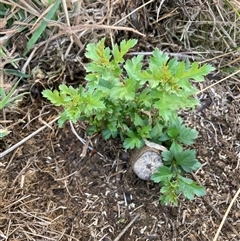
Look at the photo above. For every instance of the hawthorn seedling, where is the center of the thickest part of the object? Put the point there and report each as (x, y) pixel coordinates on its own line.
(124, 99)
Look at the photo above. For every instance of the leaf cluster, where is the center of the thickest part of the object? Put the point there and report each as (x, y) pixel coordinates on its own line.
(125, 98)
(177, 162)
(121, 98)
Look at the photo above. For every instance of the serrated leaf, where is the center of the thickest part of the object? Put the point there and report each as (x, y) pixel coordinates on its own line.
(107, 133)
(91, 51)
(173, 132)
(167, 156)
(93, 102)
(163, 175)
(54, 96)
(64, 89)
(133, 67)
(187, 135)
(189, 188)
(63, 118)
(125, 46)
(132, 141)
(158, 58)
(164, 137)
(124, 91)
(138, 121)
(156, 131)
(176, 148)
(98, 53)
(144, 98)
(186, 159)
(169, 199)
(197, 73)
(167, 104)
(144, 131)
(169, 195)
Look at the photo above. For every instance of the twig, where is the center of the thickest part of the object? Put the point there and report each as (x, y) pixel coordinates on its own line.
(126, 228)
(26, 139)
(225, 215)
(82, 140)
(215, 210)
(218, 82)
(135, 10)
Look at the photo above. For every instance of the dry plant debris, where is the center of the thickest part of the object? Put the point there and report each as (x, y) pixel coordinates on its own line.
(52, 187)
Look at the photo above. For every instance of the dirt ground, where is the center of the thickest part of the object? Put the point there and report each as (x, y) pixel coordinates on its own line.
(53, 187)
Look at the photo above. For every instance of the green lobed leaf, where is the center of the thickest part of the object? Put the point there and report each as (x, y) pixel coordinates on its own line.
(94, 102)
(132, 141)
(176, 148)
(186, 159)
(195, 72)
(167, 157)
(144, 131)
(107, 133)
(169, 195)
(189, 188)
(124, 91)
(144, 98)
(125, 46)
(187, 135)
(64, 89)
(158, 59)
(156, 131)
(168, 104)
(163, 174)
(55, 97)
(170, 198)
(173, 132)
(63, 118)
(179, 132)
(99, 54)
(133, 67)
(137, 120)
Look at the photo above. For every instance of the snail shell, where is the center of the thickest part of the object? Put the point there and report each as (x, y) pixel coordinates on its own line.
(145, 162)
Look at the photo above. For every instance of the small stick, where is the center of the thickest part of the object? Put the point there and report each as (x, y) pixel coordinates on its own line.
(82, 140)
(225, 215)
(26, 138)
(215, 210)
(126, 228)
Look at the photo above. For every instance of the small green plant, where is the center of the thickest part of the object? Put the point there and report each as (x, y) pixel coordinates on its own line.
(124, 99)
(177, 162)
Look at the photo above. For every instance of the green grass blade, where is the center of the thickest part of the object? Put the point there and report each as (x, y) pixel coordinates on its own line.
(5, 101)
(42, 27)
(2, 93)
(2, 54)
(17, 73)
(3, 132)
